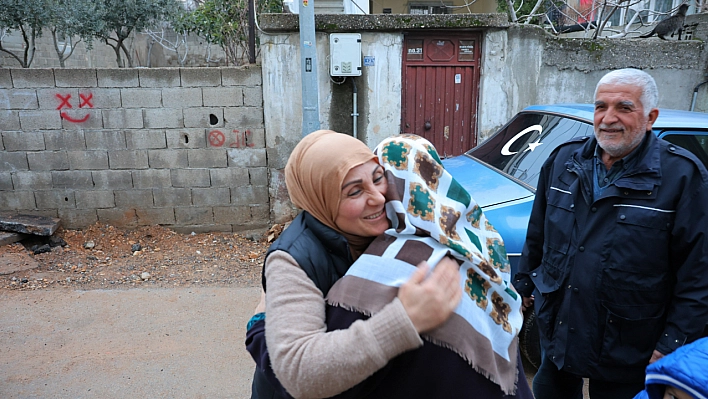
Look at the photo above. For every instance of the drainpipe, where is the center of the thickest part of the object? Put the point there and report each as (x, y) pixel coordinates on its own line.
(695, 93)
(355, 111)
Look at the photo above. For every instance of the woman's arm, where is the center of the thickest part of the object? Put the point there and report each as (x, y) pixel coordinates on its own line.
(311, 363)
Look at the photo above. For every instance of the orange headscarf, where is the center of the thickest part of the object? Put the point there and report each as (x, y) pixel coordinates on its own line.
(315, 172)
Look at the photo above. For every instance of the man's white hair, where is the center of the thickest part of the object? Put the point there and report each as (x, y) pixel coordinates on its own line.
(634, 77)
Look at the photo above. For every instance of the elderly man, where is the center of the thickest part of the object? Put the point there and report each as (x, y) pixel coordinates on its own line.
(616, 253)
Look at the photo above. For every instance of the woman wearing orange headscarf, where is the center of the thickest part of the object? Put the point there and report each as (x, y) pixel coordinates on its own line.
(321, 348)
(338, 183)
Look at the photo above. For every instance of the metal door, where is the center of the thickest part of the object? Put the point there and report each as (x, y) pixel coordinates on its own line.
(440, 89)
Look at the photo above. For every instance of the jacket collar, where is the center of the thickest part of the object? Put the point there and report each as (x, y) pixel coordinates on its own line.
(644, 175)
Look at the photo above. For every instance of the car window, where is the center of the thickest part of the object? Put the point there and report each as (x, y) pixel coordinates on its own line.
(696, 142)
(521, 147)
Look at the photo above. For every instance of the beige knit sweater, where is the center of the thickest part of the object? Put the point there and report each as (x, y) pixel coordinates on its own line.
(312, 363)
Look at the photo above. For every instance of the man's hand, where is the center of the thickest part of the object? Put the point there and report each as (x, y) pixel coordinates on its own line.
(656, 355)
(526, 302)
(429, 302)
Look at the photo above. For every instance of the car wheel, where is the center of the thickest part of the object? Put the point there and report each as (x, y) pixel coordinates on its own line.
(529, 339)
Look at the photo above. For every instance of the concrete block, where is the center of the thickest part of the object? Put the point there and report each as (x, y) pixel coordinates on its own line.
(232, 214)
(201, 77)
(145, 139)
(278, 157)
(92, 199)
(241, 76)
(223, 96)
(141, 98)
(203, 117)
(75, 77)
(253, 96)
(159, 77)
(112, 179)
(58, 99)
(117, 77)
(244, 158)
(163, 118)
(220, 138)
(133, 198)
(10, 120)
(32, 77)
(152, 178)
(258, 176)
(168, 197)
(24, 99)
(77, 218)
(55, 199)
(6, 181)
(202, 228)
(23, 141)
(82, 160)
(39, 120)
(64, 140)
(182, 97)
(260, 212)
(25, 180)
(123, 118)
(168, 159)
(13, 161)
(17, 200)
(81, 119)
(185, 138)
(207, 158)
(229, 177)
(5, 79)
(118, 217)
(129, 159)
(155, 216)
(73, 179)
(100, 98)
(255, 138)
(48, 160)
(211, 196)
(194, 215)
(190, 178)
(105, 140)
(243, 117)
(250, 195)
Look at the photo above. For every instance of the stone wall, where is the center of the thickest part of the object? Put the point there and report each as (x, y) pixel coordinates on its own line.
(180, 147)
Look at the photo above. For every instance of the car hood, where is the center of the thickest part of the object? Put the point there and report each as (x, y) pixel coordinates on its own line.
(488, 187)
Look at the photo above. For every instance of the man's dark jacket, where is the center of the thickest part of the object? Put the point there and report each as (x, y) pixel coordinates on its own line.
(621, 275)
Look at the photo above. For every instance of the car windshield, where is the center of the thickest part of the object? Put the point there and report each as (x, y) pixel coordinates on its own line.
(520, 148)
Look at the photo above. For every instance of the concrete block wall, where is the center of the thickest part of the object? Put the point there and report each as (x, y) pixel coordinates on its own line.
(184, 148)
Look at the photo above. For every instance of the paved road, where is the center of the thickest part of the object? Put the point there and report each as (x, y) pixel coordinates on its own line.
(137, 343)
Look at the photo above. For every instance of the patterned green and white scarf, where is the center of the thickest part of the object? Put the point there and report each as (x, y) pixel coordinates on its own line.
(433, 216)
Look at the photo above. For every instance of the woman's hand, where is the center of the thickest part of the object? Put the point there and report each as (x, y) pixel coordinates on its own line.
(429, 302)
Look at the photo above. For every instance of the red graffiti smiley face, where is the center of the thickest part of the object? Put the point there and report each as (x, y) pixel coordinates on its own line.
(85, 102)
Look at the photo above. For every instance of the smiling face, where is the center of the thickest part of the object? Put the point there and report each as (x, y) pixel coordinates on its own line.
(361, 205)
(620, 120)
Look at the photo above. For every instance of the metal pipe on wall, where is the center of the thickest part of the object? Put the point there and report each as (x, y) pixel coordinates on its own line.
(355, 111)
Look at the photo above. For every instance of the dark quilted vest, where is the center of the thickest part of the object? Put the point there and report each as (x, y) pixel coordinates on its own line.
(320, 251)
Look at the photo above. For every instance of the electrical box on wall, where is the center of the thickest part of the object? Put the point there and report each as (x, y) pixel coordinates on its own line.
(345, 54)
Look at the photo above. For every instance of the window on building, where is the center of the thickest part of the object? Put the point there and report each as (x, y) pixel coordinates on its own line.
(424, 9)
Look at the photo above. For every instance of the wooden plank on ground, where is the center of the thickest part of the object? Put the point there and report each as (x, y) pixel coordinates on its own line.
(28, 224)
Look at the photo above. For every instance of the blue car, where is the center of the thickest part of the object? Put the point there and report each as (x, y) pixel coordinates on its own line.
(501, 173)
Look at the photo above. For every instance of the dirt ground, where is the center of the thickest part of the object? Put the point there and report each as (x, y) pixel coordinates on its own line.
(105, 257)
